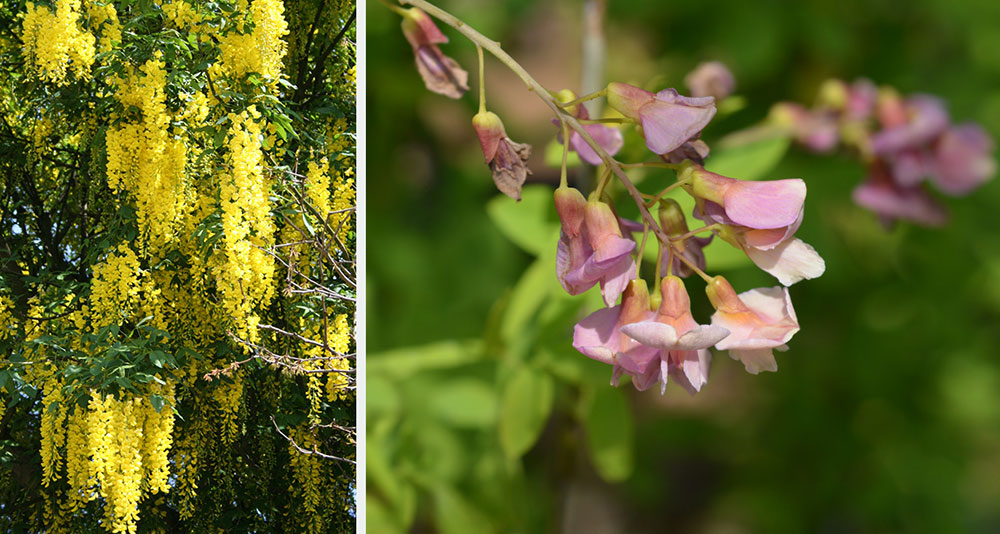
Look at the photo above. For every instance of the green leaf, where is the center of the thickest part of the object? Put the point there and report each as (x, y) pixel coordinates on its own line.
(751, 161)
(456, 515)
(157, 401)
(531, 291)
(405, 362)
(527, 222)
(465, 402)
(381, 397)
(608, 421)
(526, 405)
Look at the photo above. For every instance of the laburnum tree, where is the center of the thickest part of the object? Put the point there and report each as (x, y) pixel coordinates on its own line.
(177, 277)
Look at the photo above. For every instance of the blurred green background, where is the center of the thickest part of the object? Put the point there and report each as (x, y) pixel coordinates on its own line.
(884, 415)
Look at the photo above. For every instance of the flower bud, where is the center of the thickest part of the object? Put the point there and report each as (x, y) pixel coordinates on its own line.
(723, 297)
(571, 206)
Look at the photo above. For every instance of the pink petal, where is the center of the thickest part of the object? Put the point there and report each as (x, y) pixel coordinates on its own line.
(913, 204)
(756, 361)
(609, 138)
(616, 279)
(701, 337)
(596, 335)
(652, 333)
(668, 126)
(765, 204)
(789, 262)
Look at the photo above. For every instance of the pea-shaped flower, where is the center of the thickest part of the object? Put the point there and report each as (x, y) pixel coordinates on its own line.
(682, 344)
(506, 159)
(667, 119)
(598, 336)
(758, 321)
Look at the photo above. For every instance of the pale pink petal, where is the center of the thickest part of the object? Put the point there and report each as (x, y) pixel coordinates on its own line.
(771, 303)
(652, 333)
(701, 337)
(609, 138)
(597, 337)
(611, 247)
(893, 202)
(692, 373)
(789, 262)
(616, 279)
(770, 238)
(963, 159)
(765, 204)
(668, 126)
(756, 361)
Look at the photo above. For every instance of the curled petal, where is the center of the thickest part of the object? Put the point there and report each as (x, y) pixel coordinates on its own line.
(667, 125)
(789, 262)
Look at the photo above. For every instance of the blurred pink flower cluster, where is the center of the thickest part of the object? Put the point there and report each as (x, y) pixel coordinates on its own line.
(904, 142)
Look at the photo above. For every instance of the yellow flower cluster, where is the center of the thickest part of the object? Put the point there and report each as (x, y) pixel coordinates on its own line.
(52, 429)
(7, 320)
(115, 287)
(228, 398)
(116, 449)
(247, 277)
(263, 49)
(104, 14)
(182, 14)
(308, 477)
(343, 200)
(144, 159)
(54, 42)
(340, 341)
(318, 186)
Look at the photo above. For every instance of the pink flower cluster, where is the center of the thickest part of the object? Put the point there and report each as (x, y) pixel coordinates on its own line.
(654, 338)
(903, 141)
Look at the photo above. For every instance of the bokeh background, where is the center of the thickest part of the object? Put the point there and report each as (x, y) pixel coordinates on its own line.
(884, 415)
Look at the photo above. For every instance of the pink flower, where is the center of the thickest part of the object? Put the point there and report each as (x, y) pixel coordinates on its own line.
(759, 218)
(909, 124)
(963, 159)
(598, 336)
(817, 130)
(891, 201)
(441, 73)
(591, 247)
(667, 119)
(758, 321)
(609, 138)
(507, 159)
(681, 342)
(710, 78)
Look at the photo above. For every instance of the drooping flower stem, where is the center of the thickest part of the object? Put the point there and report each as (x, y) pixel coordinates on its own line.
(707, 228)
(592, 96)
(494, 48)
(482, 80)
(661, 194)
(563, 181)
(694, 267)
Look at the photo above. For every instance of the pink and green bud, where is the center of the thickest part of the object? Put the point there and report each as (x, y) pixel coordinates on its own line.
(674, 223)
(571, 206)
(506, 159)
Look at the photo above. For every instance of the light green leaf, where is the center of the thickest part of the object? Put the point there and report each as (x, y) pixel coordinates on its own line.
(751, 161)
(465, 402)
(608, 421)
(526, 405)
(381, 397)
(379, 519)
(404, 362)
(531, 291)
(527, 223)
(456, 515)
